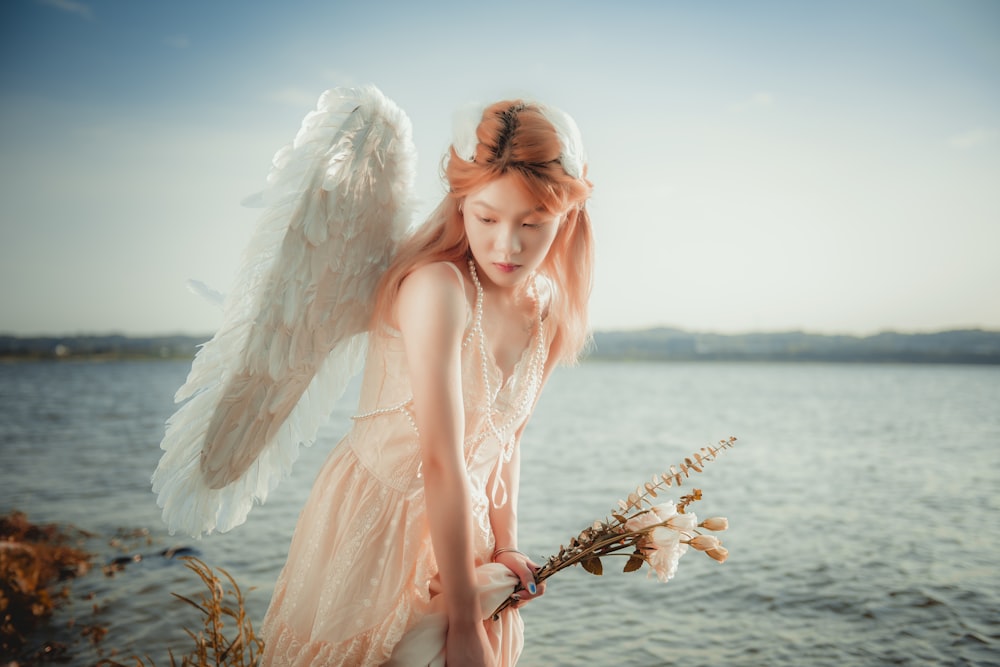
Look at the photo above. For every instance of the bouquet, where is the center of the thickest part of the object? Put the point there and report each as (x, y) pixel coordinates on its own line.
(657, 534)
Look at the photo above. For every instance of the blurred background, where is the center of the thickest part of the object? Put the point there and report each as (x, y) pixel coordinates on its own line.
(767, 166)
(759, 166)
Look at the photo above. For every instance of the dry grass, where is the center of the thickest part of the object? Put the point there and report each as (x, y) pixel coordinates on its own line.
(226, 637)
(33, 560)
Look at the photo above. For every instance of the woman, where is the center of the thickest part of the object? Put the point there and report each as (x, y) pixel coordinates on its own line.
(471, 317)
(409, 537)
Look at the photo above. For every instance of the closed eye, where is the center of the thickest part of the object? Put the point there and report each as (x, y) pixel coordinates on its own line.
(536, 224)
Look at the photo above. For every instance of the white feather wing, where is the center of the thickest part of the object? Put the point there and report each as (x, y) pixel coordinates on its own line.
(294, 327)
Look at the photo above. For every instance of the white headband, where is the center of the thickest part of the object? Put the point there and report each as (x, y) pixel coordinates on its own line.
(572, 158)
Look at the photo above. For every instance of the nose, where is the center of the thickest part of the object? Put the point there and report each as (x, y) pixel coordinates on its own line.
(509, 238)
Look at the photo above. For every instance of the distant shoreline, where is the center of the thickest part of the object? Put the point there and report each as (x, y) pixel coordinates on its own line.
(961, 346)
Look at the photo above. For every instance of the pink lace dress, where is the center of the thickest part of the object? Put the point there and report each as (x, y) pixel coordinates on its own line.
(361, 572)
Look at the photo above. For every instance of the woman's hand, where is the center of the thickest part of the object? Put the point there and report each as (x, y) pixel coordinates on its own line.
(467, 644)
(524, 569)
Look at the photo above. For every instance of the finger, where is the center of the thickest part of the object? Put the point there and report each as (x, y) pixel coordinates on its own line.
(524, 570)
(530, 588)
(539, 590)
(527, 578)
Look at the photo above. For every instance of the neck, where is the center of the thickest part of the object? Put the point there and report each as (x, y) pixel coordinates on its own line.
(512, 295)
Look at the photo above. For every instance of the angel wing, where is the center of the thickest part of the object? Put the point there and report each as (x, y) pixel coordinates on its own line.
(294, 327)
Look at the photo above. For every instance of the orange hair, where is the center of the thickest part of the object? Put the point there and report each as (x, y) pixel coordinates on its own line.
(514, 138)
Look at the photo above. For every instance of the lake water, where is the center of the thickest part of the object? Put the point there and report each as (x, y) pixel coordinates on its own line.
(863, 502)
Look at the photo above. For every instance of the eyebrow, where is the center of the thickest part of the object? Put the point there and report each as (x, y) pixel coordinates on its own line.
(485, 204)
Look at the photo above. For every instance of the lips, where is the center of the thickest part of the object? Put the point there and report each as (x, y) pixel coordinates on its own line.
(506, 268)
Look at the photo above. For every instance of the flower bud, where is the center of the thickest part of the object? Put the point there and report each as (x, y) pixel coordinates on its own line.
(683, 522)
(715, 523)
(718, 553)
(704, 542)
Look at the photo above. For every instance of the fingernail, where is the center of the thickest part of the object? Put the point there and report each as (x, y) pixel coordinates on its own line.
(531, 588)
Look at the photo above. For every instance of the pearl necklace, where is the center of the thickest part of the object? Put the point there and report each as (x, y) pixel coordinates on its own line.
(529, 390)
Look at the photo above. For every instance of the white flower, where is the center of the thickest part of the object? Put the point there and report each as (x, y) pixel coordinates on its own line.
(663, 549)
(642, 521)
(665, 510)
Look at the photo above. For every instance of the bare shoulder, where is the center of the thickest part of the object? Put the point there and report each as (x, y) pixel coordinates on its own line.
(433, 281)
(432, 292)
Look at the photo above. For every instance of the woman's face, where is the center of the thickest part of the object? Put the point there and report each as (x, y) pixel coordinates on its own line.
(509, 233)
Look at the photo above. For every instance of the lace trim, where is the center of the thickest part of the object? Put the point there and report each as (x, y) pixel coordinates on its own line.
(287, 649)
(373, 646)
(401, 407)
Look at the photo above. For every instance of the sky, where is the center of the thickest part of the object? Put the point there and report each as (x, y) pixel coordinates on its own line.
(827, 166)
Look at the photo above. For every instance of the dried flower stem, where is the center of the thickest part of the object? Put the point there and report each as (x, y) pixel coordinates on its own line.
(675, 475)
(613, 536)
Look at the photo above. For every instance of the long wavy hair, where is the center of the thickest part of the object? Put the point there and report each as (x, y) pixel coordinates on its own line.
(514, 138)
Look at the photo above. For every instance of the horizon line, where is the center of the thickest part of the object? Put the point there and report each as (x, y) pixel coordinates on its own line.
(593, 331)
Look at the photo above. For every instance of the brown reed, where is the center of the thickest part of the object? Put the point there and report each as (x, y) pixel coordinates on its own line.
(226, 638)
(33, 559)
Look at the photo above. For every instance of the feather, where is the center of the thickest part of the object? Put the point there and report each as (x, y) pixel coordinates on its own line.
(214, 297)
(337, 201)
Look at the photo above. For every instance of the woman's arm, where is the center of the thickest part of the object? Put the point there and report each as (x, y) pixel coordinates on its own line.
(503, 519)
(431, 313)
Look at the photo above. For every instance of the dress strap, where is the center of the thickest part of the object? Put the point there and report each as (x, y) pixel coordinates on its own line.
(461, 282)
(458, 272)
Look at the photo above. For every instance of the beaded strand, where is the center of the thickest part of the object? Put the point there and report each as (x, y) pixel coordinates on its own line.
(532, 382)
(528, 391)
(402, 406)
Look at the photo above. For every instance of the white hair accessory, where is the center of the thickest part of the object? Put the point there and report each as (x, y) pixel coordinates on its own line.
(463, 130)
(572, 156)
(466, 120)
